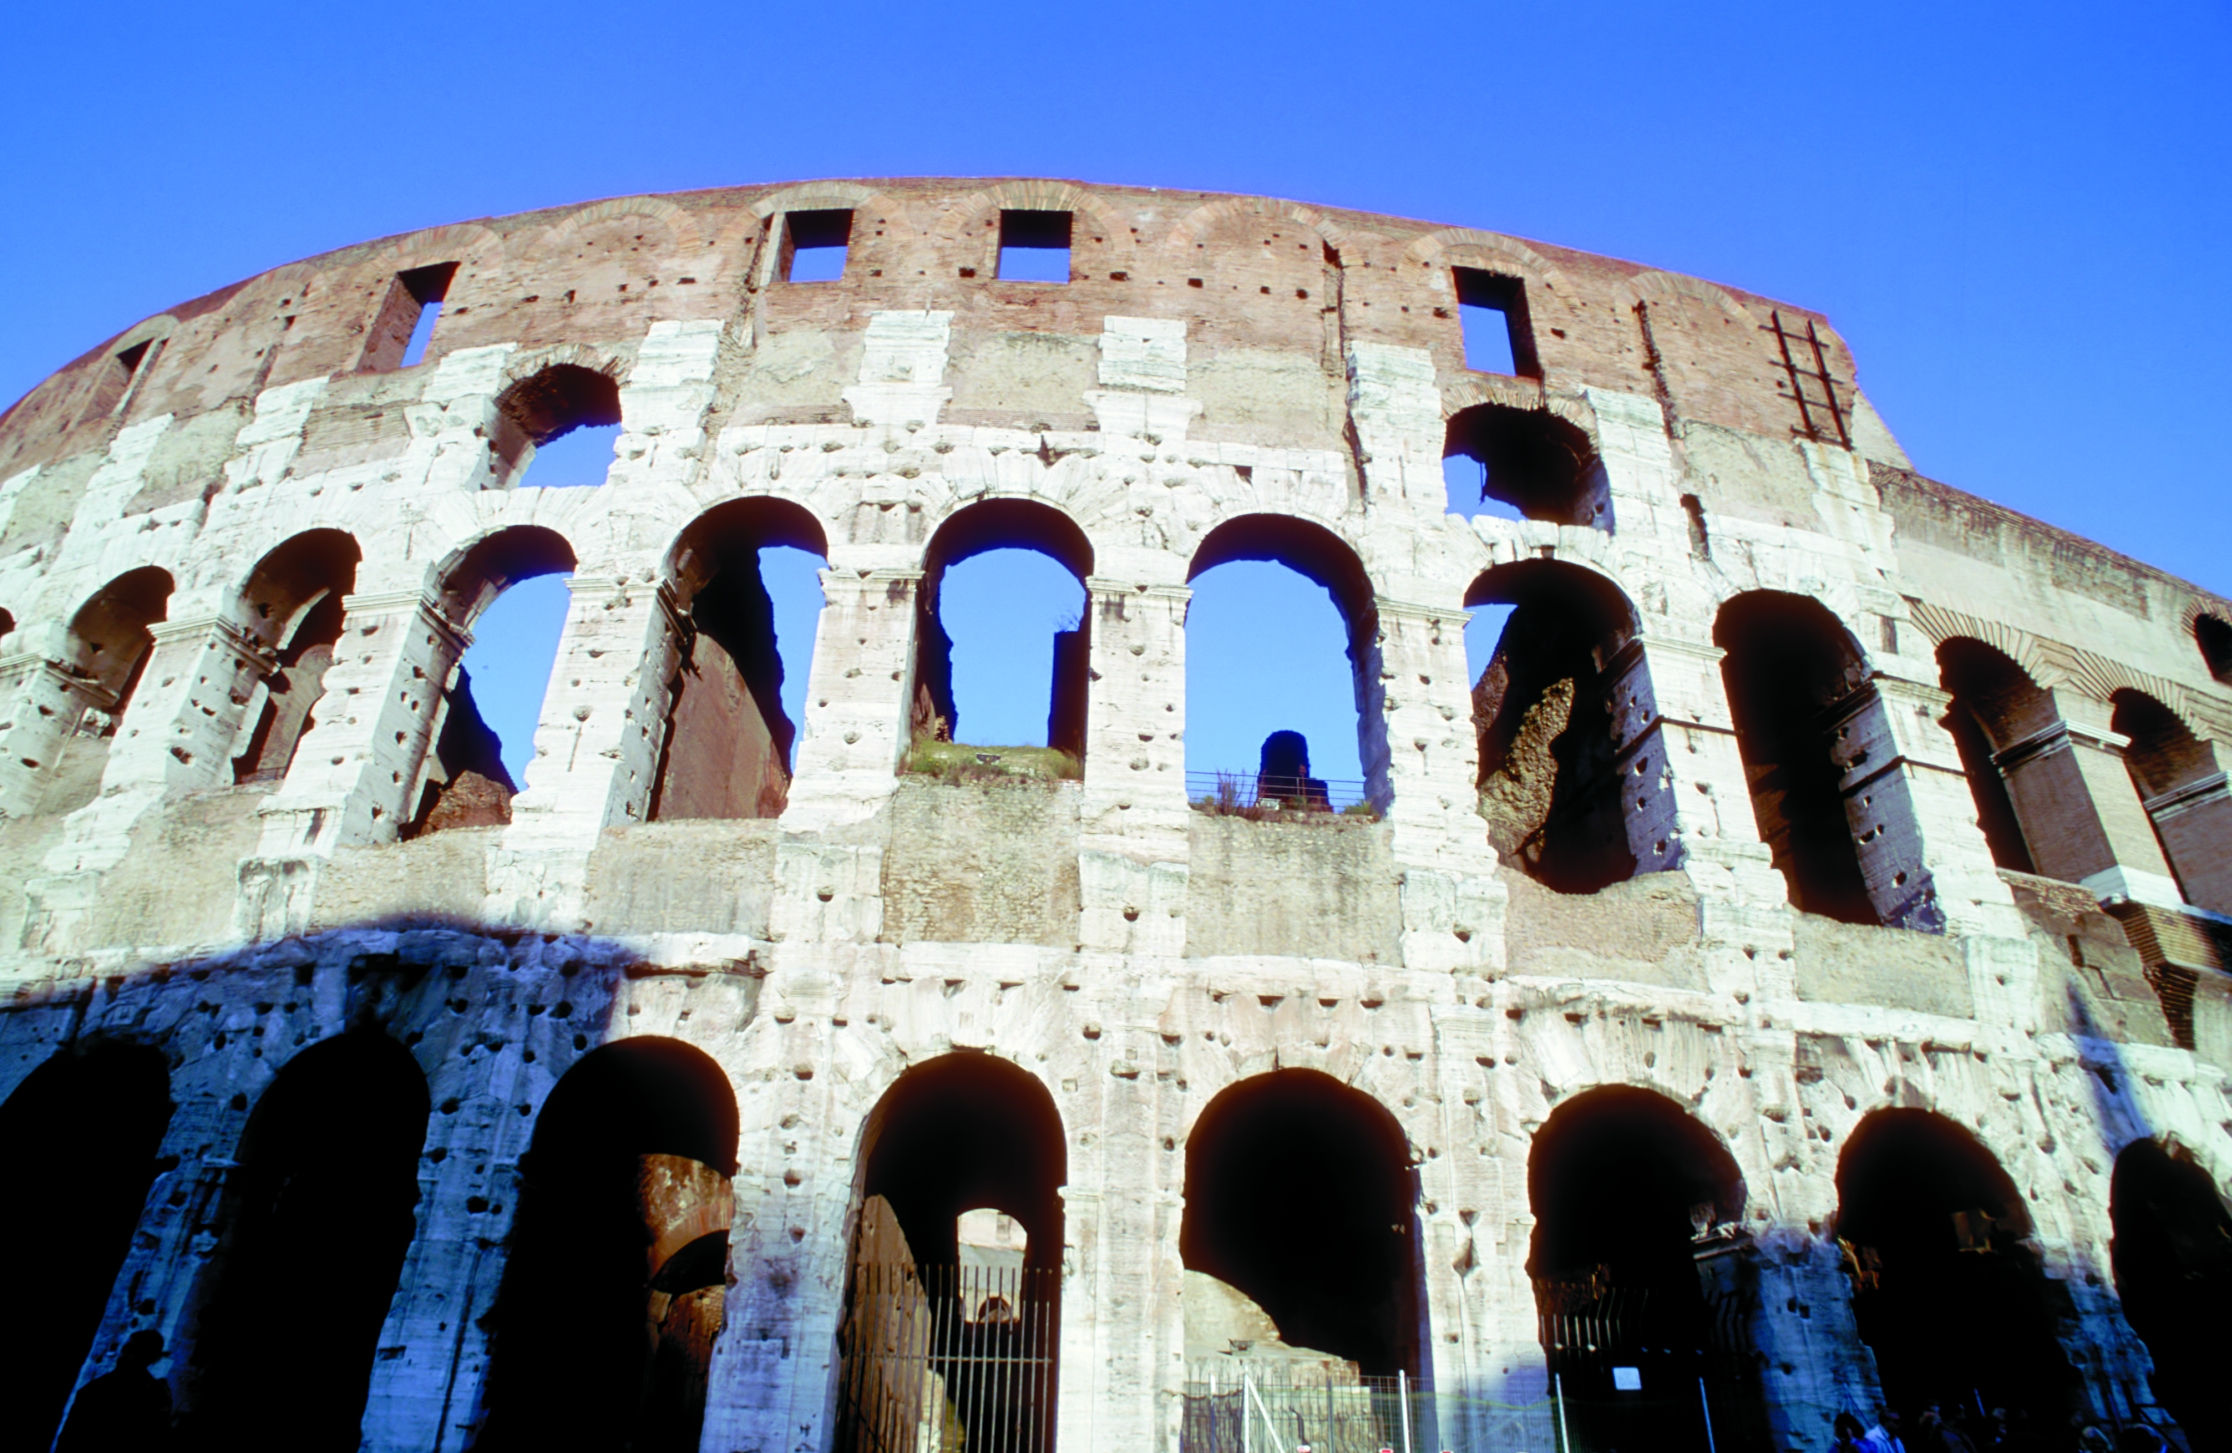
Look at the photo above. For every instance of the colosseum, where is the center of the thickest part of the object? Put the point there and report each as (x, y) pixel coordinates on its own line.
(1789, 979)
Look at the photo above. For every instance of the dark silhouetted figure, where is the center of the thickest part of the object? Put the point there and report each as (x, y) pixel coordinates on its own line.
(124, 1411)
(1284, 774)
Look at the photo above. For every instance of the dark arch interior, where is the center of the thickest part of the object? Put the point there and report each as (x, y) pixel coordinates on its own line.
(1790, 671)
(577, 1320)
(1300, 1194)
(1952, 1302)
(1001, 524)
(728, 740)
(82, 1132)
(325, 1197)
(2172, 1255)
(1630, 1271)
(1550, 783)
(2164, 756)
(293, 603)
(109, 635)
(1989, 700)
(495, 563)
(550, 404)
(1533, 461)
(960, 1132)
(2213, 634)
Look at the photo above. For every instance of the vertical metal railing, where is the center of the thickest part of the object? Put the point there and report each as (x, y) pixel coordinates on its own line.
(948, 1359)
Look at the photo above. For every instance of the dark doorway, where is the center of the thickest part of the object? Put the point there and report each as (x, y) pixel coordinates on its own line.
(1643, 1277)
(1795, 678)
(603, 1329)
(1300, 1194)
(1945, 1292)
(1544, 709)
(936, 1345)
(321, 1207)
(85, 1127)
(2172, 1255)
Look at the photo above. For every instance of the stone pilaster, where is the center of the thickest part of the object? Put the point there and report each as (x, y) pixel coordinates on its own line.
(1133, 851)
(45, 702)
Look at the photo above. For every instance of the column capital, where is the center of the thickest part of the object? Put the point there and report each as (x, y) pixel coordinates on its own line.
(2059, 736)
(406, 602)
(1113, 586)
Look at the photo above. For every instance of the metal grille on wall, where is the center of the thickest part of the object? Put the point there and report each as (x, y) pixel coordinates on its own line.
(948, 1359)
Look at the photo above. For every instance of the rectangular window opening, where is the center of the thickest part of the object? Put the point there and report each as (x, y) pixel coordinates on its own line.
(1499, 338)
(815, 244)
(1035, 246)
(405, 325)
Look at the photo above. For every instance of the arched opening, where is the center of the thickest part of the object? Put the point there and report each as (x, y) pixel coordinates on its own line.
(2172, 1256)
(1945, 1292)
(1641, 1274)
(1995, 704)
(109, 636)
(603, 1330)
(1301, 1199)
(83, 1131)
(948, 1338)
(729, 737)
(2181, 786)
(486, 734)
(1530, 462)
(324, 1202)
(292, 608)
(1795, 679)
(996, 576)
(1279, 638)
(1550, 771)
(2213, 634)
(558, 427)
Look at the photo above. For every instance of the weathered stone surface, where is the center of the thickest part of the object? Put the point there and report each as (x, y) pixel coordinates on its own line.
(1220, 378)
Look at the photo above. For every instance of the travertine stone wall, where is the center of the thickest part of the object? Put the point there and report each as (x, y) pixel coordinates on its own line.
(1214, 363)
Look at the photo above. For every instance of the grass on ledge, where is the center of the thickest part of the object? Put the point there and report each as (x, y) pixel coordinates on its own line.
(962, 762)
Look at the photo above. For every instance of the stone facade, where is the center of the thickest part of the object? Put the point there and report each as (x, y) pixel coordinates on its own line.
(1220, 378)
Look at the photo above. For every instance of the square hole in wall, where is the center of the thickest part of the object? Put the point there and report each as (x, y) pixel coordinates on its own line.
(1035, 246)
(1493, 312)
(815, 244)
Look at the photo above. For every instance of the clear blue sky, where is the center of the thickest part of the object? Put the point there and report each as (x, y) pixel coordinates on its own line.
(2015, 213)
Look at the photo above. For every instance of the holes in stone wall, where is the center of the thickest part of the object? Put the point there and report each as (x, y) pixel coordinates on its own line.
(1795, 679)
(473, 770)
(730, 731)
(544, 408)
(1532, 461)
(1300, 1197)
(1550, 778)
(2181, 786)
(1995, 704)
(1499, 335)
(109, 638)
(292, 607)
(1946, 1293)
(1638, 1261)
(2172, 1254)
(327, 1180)
(977, 660)
(1034, 246)
(1279, 630)
(2213, 634)
(603, 1329)
(91, 1121)
(404, 327)
(115, 377)
(814, 245)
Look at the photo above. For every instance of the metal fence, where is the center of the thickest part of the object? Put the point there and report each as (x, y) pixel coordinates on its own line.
(948, 1359)
(1266, 1408)
(1252, 794)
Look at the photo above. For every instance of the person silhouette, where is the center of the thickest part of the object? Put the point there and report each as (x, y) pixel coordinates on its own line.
(128, 1408)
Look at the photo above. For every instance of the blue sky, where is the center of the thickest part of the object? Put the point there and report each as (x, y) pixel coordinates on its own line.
(2015, 213)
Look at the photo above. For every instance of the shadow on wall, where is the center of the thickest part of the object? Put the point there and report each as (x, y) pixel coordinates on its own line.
(338, 1142)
